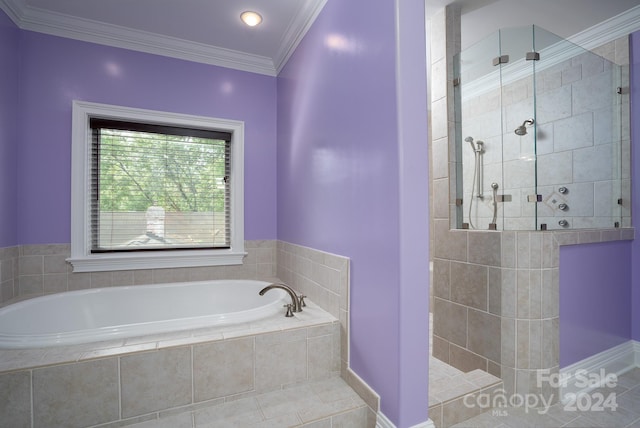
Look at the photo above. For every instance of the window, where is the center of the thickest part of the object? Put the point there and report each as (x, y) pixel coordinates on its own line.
(154, 189)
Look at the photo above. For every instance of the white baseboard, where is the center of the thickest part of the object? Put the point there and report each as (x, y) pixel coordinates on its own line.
(384, 422)
(617, 360)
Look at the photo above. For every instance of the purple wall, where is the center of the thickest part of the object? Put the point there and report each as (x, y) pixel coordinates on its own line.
(595, 299)
(341, 188)
(9, 104)
(56, 71)
(635, 175)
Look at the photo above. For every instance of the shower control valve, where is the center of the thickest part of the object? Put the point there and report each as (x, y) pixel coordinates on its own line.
(563, 223)
(563, 207)
(563, 190)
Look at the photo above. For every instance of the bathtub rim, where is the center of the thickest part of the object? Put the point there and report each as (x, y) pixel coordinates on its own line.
(131, 331)
(12, 360)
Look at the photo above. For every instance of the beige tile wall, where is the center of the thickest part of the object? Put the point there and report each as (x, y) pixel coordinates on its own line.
(323, 277)
(279, 358)
(132, 387)
(15, 399)
(8, 273)
(32, 270)
(503, 319)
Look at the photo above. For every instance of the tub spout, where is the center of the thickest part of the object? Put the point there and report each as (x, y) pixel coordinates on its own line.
(295, 301)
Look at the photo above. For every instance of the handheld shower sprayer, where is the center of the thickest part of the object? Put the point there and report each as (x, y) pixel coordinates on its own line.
(470, 141)
(476, 187)
(477, 147)
(522, 129)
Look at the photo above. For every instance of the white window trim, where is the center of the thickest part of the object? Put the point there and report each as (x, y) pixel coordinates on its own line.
(82, 259)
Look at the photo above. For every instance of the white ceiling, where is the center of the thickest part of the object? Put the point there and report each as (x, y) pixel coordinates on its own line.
(210, 31)
(207, 31)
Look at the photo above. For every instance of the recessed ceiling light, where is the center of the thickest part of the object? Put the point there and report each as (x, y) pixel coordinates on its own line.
(251, 18)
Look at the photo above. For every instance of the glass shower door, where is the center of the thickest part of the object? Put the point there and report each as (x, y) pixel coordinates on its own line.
(478, 133)
(519, 160)
(541, 139)
(578, 138)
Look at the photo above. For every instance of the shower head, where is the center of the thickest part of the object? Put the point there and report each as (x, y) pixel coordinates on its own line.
(470, 141)
(522, 129)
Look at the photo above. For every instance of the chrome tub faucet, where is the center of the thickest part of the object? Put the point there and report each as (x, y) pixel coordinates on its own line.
(297, 302)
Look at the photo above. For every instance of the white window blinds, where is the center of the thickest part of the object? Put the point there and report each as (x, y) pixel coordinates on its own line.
(156, 187)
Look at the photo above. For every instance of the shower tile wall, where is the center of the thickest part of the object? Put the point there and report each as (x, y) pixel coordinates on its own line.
(496, 300)
(576, 145)
(467, 300)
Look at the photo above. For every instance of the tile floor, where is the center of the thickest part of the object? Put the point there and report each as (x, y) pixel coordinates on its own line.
(446, 382)
(626, 415)
(448, 386)
(322, 404)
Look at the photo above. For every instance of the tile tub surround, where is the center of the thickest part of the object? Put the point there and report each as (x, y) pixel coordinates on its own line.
(108, 382)
(324, 278)
(33, 270)
(42, 269)
(8, 273)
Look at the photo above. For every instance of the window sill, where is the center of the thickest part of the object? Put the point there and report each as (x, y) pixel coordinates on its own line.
(155, 260)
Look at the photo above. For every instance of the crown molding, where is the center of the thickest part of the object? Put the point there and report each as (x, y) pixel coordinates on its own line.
(303, 20)
(62, 25)
(611, 29)
(12, 9)
(122, 37)
(607, 31)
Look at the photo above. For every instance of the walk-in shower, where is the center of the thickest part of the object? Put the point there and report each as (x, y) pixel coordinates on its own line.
(549, 115)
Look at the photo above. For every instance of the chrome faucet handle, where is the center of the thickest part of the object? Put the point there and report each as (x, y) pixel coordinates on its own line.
(301, 300)
(289, 307)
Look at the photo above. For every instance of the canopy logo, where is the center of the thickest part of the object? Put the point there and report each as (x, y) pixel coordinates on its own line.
(594, 396)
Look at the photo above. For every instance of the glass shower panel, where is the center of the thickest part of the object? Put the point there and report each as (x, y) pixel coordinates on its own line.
(519, 131)
(540, 135)
(578, 135)
(478, 132)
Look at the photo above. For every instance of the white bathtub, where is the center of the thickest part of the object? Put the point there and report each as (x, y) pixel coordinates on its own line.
(94, 315)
